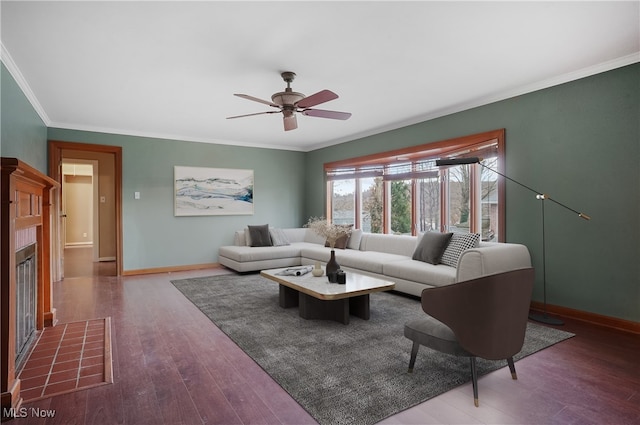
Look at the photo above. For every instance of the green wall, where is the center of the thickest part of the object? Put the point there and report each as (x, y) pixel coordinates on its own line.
(152, 236)
(23, 134)
(580, 144)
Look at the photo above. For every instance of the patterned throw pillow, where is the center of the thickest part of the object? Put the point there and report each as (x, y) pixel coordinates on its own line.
(458, 244)
(278, 237)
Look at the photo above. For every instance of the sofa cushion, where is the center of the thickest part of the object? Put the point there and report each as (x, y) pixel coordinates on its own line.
(392, 244)
(421, 272)
(295, 234)
(458, 244)
(260, 235)
(431, 247)
(248, 253)
(370, 261)
(312, 237)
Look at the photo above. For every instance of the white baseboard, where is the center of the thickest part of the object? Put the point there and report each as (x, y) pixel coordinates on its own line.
(78, 244)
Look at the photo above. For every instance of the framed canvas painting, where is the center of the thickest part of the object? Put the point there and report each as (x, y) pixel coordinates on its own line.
(212, 191)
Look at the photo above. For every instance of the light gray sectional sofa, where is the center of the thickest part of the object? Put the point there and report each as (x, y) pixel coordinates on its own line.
(385, 256)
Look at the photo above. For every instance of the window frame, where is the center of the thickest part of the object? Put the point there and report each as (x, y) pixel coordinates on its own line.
(375, 165)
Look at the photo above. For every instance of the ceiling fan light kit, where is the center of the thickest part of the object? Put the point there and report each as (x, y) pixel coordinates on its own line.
(289, 102)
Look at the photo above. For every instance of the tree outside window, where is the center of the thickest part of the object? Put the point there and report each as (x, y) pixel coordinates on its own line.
(401, 207)
(372, 205)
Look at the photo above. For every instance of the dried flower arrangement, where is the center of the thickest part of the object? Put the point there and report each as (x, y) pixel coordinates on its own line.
(331, 232)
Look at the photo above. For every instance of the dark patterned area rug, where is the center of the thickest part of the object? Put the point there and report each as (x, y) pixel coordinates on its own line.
(341, 374)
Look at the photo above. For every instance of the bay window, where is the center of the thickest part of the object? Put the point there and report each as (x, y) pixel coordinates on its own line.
(404, 192)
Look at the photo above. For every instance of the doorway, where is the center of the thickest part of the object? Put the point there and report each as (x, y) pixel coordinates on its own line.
(87, 231)
(80, 204)
(80, 220)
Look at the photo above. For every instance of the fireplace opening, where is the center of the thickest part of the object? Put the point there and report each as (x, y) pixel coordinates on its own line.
(26, 301)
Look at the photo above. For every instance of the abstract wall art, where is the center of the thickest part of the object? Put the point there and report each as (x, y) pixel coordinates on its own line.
(212, 191)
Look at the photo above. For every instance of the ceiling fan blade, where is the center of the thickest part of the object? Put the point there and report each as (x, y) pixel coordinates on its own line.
(334, 115)
(250, 115)
(255, 99)
(290, 122)
(316, 99)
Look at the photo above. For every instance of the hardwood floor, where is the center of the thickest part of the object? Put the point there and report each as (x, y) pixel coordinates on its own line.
(78, 262)
(171, 365)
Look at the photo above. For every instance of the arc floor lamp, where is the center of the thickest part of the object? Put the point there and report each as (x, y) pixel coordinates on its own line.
(544, 317)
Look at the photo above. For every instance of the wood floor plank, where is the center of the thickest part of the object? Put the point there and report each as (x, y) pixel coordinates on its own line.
(104, 405)
(69, 408)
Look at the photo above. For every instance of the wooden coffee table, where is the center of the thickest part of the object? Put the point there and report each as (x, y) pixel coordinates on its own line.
(316, 298)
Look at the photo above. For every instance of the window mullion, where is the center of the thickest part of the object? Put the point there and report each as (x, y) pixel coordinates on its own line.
(474, 199)
(358, 205)
(386, 215)
(444, 200)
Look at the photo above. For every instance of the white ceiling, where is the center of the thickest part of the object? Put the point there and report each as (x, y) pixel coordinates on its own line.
(170, 69)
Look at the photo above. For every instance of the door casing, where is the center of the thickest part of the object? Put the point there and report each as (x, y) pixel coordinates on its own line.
(56, 148)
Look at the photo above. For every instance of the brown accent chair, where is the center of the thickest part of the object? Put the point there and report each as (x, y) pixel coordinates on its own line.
(484, 317)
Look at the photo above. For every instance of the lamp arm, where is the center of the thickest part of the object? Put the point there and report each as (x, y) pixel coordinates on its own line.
(538, 194)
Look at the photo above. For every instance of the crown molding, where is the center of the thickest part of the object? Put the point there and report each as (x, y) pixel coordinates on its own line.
(171, 137)
(13, 69)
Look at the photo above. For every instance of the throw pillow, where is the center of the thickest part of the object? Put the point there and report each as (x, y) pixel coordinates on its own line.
(354, 239)
(239, 238)
(341, 242)
(278, 237)
(260, 235)
(431, 247)
(459, 243)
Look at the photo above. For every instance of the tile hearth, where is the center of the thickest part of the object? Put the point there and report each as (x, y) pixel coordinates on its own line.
(68, 357)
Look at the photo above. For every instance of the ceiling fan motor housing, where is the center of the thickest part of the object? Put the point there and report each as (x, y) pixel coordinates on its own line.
(287, 97)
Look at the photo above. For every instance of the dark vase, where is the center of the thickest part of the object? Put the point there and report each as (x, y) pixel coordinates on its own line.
(332, 268)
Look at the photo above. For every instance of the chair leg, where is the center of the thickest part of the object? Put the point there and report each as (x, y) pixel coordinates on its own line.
(414, 353)
(474, 381)
(512, 368)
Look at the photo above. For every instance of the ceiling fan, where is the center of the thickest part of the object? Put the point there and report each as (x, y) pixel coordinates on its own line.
(289, 102)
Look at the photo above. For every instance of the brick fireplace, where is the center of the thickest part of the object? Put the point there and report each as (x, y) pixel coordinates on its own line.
(25, 234)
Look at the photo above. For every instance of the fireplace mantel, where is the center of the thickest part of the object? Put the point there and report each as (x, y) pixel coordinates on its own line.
(25, 218)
